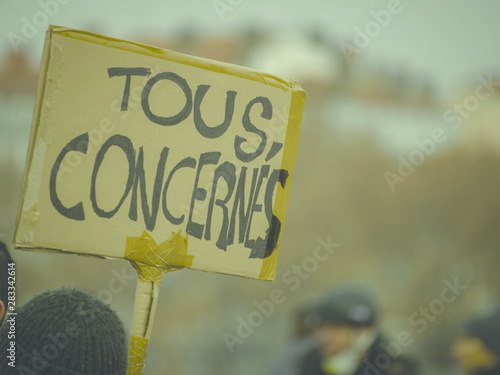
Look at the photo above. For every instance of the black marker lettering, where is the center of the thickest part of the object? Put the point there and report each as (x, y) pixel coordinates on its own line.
(76, 212)
(125, 144)
(201, 126)
(199, 194)
(149, 218)
(129, 72)
(267, 113)
(270, 243)
(172, 120)
(184, 163)
(227, 171)
(239, 200)
(264, 172)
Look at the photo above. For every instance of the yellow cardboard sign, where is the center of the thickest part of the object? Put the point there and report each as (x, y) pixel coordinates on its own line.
(128, 138)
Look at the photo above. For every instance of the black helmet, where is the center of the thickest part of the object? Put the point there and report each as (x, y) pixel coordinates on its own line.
(346, 305)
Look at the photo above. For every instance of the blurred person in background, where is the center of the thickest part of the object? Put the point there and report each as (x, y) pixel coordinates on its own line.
(60, 332)
(5, 259)
(477, 350)
(344, 340)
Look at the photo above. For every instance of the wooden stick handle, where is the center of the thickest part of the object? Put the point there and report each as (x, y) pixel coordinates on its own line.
(146, 299)
(143, 253)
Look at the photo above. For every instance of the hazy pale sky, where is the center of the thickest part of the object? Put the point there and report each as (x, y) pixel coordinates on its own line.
(450, 41)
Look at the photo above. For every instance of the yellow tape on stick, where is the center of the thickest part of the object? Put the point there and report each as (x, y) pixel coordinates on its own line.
(137, 355)
(151, 261)
(171, 255)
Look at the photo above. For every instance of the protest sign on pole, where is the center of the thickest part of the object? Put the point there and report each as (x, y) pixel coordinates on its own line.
(128, 138)
(137, 151)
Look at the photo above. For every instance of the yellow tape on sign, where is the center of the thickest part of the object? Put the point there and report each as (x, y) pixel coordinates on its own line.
(268, 270)
(170, 255)
(137, 355)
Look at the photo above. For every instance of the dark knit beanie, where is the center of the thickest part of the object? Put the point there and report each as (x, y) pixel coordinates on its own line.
(347, 305)
(65, 331)
(487, 329)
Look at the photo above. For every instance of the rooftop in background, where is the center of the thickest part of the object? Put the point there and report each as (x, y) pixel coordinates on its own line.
(391, 104)
(17, 76)
(313, 61)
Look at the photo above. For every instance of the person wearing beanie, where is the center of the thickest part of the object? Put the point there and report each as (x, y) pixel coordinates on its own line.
(63, 332)
(5, 259)
(478, 348)
(345, 340)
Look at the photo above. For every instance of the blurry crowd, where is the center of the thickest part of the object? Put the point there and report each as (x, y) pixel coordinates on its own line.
(68, 331)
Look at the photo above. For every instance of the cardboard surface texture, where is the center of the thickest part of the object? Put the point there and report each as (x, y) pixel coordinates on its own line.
(128, 138)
